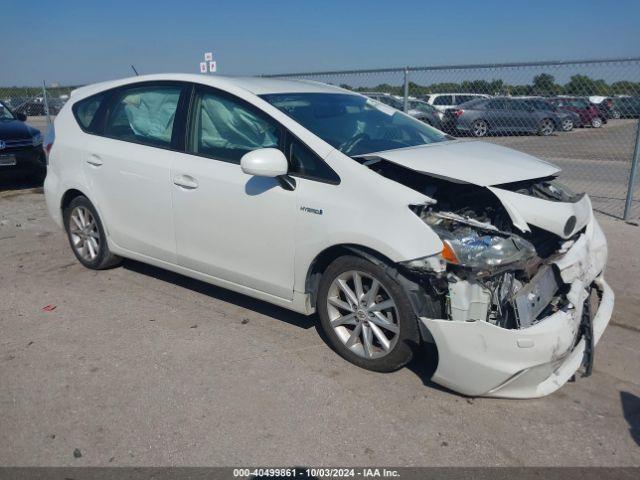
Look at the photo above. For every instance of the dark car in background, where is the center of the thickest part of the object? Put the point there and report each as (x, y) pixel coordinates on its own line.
(20, 145)
(627, 107)
(36, 108)
(503, 115)
(589, 113)
(416, 108)
(567, 119)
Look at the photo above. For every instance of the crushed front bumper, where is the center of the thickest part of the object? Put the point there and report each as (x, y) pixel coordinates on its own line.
(480, 359)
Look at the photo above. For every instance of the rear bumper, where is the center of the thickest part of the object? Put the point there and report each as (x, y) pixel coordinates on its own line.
(480, 359)
(26, 158)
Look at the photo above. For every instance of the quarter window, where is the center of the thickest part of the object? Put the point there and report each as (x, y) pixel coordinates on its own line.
(305, 163)
(85, 110)
(443, 100)
(144, 115)
(225, 129)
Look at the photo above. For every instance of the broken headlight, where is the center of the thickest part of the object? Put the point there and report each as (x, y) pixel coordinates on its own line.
(470, 248)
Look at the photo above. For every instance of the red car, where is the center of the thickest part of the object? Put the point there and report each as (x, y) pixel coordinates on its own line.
(589, 113)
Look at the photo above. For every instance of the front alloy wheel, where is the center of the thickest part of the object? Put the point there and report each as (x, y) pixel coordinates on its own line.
(366, 315)
(567, 125)
(362, 314)
(596, 122)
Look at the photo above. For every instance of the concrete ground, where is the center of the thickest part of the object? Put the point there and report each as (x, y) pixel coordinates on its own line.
(138, 366)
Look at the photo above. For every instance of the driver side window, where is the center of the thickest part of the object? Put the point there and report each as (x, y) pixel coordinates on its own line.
(225, 128)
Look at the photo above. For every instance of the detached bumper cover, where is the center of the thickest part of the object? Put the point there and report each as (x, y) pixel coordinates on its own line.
(481, 359)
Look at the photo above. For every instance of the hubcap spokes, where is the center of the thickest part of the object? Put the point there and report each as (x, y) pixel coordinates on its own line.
(362, 314)
(83, 230)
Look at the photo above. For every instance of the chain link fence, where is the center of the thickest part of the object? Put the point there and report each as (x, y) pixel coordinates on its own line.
(580, 115)
(39, 104)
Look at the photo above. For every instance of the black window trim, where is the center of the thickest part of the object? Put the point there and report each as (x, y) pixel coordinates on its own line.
(283, 142)
(99, 121)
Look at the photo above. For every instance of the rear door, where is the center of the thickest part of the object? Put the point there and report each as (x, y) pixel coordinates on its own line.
(128, 164)
(521, 116)
(497, 114)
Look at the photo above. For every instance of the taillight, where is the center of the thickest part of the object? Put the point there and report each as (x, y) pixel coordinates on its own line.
(457, 113)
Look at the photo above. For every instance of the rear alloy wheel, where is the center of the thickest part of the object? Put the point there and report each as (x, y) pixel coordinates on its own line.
(567, 125)
(596, 122)
(479, 128)
(615, 114)
(86, 235)
(366, 315)
(545, 127)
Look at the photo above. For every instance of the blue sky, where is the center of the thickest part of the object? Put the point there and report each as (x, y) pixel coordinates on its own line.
(76, 42)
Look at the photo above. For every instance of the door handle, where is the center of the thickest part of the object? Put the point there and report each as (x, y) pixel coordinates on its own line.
(94, 160)
(185, 181)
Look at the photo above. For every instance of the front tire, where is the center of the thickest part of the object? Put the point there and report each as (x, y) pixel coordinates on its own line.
(86, 235)
(366, 315)
(596, 122)
(567, 125)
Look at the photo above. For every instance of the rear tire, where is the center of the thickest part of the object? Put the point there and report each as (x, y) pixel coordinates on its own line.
(86, 235)
(545, 127)
(357, 326)
(596, 122)
(479, 128)
(616, 114)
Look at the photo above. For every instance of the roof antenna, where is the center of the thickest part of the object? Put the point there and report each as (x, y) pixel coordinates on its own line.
(135, 71)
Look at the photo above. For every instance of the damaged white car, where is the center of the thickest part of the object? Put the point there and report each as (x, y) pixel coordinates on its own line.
(318, 199)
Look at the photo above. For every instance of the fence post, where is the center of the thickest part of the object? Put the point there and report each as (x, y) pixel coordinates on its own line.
(45, 99)
(405, 100)
(632, 175)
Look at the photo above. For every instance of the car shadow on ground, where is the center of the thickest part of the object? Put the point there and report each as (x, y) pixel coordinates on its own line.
(631, 411)
(423, 364)
(219, 293)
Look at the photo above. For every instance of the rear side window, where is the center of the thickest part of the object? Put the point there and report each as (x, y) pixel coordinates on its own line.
(443, 100)
(144, 115)
(85, 111)
(225, 128)
(497, 105)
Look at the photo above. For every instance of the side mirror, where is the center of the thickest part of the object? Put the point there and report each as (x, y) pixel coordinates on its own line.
(264, 162)
(21, 116)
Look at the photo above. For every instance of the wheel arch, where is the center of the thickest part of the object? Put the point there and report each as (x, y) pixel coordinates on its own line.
(422, 303)
(68, 197)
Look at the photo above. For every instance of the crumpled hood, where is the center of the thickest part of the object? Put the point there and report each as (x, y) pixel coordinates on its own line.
(479, 163)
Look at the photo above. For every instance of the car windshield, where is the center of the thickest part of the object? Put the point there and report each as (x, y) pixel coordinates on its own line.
(5, 113)
(353, 124)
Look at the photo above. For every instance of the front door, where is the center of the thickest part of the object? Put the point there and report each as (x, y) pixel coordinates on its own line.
(228, 224)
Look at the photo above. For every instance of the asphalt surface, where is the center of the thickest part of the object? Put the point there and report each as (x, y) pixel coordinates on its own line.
(138, 366)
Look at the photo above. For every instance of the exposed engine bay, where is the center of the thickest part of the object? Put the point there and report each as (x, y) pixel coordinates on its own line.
(495, 271)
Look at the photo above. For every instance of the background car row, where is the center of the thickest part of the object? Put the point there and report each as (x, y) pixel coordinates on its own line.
(480, 115)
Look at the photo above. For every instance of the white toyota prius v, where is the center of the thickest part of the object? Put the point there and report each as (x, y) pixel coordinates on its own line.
(318, 199)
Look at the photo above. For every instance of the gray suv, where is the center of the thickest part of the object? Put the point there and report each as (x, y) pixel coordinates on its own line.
(500, 115)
